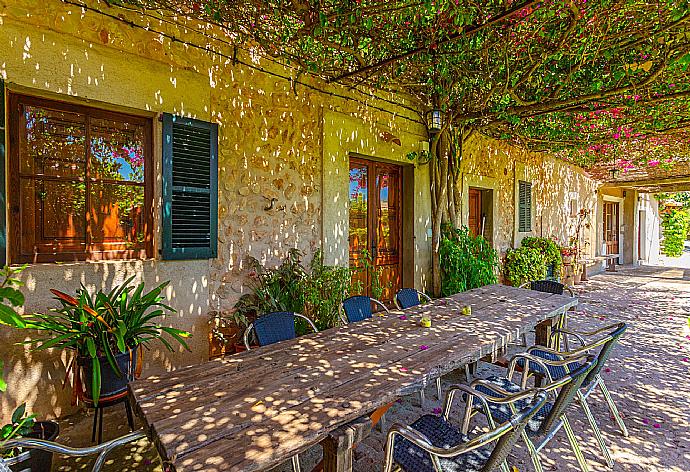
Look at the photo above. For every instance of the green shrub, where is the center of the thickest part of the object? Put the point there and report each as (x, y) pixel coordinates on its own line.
(675, 224)
(550, 250)
(524, 264)
(467, 261)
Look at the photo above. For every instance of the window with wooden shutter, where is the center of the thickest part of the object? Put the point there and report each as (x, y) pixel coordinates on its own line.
(524, 207)
(190, 188)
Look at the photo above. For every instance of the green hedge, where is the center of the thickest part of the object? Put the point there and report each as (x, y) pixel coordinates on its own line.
(524, 264)
(550, 250)
(675, 224)
(467, 261)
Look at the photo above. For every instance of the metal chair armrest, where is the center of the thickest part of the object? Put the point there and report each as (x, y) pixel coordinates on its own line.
(570, 290)
(380, 304)
(310, 322)
(579, 352)
(102, 449)
(586, 334)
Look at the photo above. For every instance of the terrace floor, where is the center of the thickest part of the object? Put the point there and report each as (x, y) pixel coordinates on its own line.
(649, 377)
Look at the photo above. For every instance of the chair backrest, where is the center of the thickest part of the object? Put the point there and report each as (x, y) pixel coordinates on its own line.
(547, 286)
(357, 308)
(569, 386)
(407, 298)
(275, 327)
(609, 342)
(507, 440)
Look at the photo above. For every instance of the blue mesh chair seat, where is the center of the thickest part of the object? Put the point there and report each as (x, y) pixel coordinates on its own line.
(358, 308)
(556, 372)
(275, 327)
(501, 412)
(441, 434)
(408, 297)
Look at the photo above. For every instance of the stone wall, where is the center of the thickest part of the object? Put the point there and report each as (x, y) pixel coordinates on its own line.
(283, 137)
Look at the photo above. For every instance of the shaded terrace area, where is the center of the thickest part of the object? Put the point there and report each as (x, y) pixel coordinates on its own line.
(647, 375)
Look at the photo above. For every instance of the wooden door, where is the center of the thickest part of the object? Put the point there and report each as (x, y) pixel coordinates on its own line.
(376, 226)
(611, 227)
(474, 220)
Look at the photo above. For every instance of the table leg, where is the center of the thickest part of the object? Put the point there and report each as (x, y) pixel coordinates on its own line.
(543, 333)
(338, 445)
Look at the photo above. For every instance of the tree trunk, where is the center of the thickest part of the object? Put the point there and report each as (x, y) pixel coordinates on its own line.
(446, 193)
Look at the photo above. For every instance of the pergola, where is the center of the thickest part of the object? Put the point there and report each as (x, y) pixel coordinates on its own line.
(604, 84)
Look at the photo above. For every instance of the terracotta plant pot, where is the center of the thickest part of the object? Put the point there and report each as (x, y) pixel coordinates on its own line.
(36, 460)
(216, 346)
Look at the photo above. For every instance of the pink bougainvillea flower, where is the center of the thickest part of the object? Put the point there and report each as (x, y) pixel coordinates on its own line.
(656, 426)
(403, 369)
(607, 370)
(403, 317)
(685, 359)
(437, 411)
(645, 421)
(423, 347)
(602, 318)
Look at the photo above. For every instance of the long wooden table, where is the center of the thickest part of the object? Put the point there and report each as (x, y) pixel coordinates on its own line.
(254, 410)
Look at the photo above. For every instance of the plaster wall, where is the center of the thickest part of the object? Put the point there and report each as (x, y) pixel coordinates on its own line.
(273, 132)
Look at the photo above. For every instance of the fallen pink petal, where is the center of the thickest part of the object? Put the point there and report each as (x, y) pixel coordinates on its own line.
(403, 369)
(656, 426)
(423, 347)
(645, 421)
(437, 411)
(402, 317)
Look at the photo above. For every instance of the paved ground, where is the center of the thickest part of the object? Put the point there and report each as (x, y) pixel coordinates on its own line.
(649, 377)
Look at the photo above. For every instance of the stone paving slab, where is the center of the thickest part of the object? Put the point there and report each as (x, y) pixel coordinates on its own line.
(648, 375)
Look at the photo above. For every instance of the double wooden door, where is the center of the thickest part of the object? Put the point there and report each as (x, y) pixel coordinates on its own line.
(611, 227)
(376, 226)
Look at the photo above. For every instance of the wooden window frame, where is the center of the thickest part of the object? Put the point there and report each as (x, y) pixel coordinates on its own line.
(92, 251)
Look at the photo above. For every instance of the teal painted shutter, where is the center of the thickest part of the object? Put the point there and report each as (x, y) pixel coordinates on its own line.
(3, 222)
(190, 188)
(524, 207)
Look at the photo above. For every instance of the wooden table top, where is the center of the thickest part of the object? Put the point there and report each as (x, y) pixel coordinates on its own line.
(254, 410)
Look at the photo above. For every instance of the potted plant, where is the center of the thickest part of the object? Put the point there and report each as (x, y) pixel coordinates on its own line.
(32, 460)
(107, 332)
(226, 332)
(524, 264)
(23, 425)
(551, 252)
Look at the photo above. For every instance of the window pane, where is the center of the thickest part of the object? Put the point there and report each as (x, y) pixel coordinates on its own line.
(117, 150)
(387, 222)
(117, 213)
(52, 213)
(358, 209)
(52, 143)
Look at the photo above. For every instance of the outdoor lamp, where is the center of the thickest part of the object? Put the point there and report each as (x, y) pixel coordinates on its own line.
(436, 121)
(613, 173)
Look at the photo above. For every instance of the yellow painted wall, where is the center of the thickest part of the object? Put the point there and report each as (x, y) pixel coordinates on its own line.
(278, 138)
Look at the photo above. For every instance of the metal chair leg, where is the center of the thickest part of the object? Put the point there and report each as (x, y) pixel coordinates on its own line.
(439, 390)
(574, 444)
(295, 463)
(533, 453)
(467, 372)
(422, 397)
(612, 406)
(595, 427)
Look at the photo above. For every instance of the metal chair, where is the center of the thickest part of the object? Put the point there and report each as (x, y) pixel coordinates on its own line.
(549, 286)
(102, 449)
(433, 444)
(275, 327)
(272, 328)
(608, 337)
(551, 417)
(358, 308)
(409, 297)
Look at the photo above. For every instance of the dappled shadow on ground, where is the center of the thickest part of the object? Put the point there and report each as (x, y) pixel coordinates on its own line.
(648, 376)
